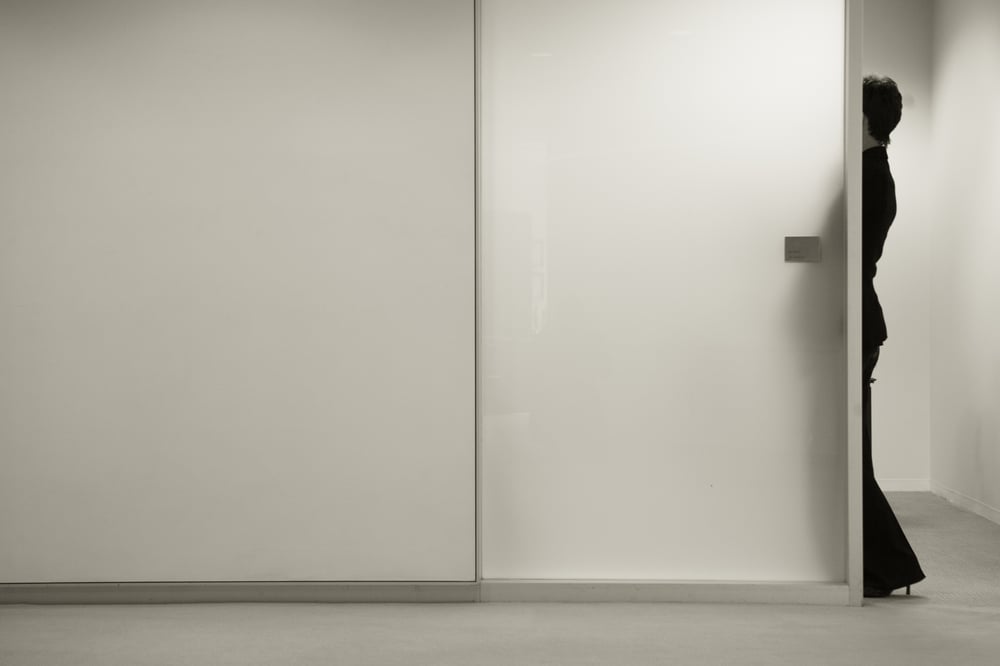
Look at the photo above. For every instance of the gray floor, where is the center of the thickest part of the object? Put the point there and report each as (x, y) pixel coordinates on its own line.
(953, 618)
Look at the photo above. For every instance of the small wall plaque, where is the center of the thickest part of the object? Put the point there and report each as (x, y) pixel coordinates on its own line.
(802, 249)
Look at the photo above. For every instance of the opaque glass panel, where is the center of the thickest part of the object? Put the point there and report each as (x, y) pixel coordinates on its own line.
(663, 393)
(237, 250)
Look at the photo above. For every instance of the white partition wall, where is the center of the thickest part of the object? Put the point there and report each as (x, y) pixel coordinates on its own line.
(237, 290)
(238, 278)
(663, 394)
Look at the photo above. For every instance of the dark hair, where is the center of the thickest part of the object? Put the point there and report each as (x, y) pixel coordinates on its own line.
(882, 105)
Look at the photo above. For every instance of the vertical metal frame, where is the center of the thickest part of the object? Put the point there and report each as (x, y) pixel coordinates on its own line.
(476, 45)
(853, 51)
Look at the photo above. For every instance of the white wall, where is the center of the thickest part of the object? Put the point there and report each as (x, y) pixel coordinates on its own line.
(663, 396)
(237, 286)
(898, 36)
(936, 401)
(964, 266)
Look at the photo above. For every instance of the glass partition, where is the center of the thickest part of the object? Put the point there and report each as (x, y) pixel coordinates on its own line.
(662, 390)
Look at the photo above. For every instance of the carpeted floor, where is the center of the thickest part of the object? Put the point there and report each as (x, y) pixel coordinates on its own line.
(958, 550)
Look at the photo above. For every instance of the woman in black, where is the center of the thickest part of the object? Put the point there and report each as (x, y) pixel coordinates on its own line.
(890, 562)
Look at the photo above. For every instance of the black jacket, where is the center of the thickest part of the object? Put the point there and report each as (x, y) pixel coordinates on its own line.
(878, 210)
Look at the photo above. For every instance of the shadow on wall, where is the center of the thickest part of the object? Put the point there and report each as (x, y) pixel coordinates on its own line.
(817, 322)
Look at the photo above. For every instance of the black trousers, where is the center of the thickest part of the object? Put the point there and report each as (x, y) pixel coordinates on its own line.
(890, 562)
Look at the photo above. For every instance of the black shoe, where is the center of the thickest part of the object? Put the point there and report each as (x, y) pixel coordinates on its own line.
(871, 591)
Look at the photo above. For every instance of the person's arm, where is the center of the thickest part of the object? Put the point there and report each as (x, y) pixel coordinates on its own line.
(871, 196)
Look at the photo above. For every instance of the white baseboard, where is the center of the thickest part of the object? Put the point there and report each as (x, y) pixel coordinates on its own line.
(566, 591)
(963, 501)
(591, 591)
(200, 593)
(905, 485)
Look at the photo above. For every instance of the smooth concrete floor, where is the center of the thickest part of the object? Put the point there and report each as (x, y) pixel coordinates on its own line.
(953, 619)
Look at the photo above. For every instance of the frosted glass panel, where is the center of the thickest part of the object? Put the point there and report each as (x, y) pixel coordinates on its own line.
(663, 393)
(237, 246)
